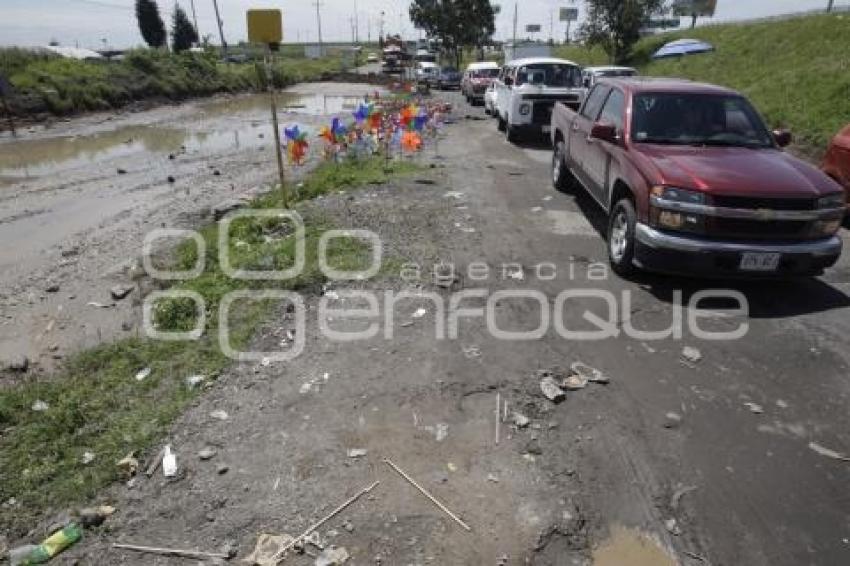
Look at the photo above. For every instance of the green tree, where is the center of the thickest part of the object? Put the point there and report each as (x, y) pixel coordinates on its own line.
(456, 23)
(615, 24)
(150, 23)
(183, 33)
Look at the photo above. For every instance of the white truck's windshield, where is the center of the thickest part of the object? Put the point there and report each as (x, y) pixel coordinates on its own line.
(549, 74)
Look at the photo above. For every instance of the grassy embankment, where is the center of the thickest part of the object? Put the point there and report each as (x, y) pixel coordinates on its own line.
(51, 84)
(96, 405)
(795, 71)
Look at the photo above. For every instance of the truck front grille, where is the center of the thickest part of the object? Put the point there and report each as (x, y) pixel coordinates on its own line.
(764, 203)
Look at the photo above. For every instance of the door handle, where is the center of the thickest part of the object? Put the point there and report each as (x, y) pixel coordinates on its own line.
(590, 140)
(576, 127)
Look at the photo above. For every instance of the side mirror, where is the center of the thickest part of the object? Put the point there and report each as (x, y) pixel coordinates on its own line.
(783, 138)
(587, 82)
(605, 131)
(509, 81)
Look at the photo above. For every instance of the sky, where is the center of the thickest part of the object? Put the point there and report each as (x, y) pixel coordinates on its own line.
(112, 23)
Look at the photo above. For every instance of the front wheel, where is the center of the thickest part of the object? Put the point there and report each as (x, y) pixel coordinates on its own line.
(511, 133)
(561, 175)
(621, 237)
(502, 125)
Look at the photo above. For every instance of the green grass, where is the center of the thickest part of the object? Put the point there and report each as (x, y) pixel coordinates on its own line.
(796, 71)
(63, 86)
(96, 405)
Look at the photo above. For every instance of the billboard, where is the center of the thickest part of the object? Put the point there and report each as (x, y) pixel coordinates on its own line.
(694, 7)
(533, 28)
(569, 14)
(265, 26)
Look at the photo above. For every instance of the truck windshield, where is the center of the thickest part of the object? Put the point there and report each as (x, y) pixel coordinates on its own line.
(549, 74)
(485, 74)
(697, 119)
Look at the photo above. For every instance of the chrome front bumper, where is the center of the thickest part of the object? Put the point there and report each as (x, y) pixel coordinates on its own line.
(656, 239)
(693, 256)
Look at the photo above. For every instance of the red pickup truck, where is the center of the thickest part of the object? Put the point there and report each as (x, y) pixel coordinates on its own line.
(694, 183)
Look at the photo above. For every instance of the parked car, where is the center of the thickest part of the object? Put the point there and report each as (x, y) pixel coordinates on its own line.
(477, 78)
(372, 58)
(591, 74)
(427, 73)
(836, 164)
(527, 90)
(490, 100)
(694, 183)
(448, 78)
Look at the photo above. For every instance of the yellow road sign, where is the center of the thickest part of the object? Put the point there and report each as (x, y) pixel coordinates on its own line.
(265, 26)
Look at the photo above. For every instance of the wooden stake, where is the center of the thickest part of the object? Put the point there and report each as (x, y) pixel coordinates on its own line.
(498, 414)
(170, 551)
(273, 103)
(281, 554)
(421, 489)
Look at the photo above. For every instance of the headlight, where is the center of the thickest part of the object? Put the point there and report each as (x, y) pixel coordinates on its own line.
(677, 220)
(678, 195)
(825, 227)
(525, 109)
(838, 200)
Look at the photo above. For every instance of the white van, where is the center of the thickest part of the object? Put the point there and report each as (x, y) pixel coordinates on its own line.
(526, 92)
(427, 72)
(476, 79)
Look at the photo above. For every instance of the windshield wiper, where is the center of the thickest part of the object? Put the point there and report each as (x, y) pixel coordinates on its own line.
(752, 144)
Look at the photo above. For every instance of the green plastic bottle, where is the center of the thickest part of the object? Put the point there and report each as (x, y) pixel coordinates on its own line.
(54, 544)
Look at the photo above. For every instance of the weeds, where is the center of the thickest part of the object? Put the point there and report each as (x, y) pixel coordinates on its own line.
(96, 405)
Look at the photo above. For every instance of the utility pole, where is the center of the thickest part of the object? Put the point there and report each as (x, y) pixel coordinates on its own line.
(195, 19)
(356, 24)
(516, 20)
(381, 33)
(552, 26)
(829, 6)
(318, 5)
(220, 29)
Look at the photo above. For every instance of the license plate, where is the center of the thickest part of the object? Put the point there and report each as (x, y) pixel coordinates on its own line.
(546, 129)
(754, 261)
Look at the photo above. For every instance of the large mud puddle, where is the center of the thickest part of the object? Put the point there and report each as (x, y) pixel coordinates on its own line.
(235, 123)
(628, 547)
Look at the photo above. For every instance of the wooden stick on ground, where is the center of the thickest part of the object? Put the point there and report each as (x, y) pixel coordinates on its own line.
(170, 551)
(498, 414)
(282, 552)
(442, 507)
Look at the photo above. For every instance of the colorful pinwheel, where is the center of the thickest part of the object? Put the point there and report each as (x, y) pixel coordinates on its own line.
(296, 145)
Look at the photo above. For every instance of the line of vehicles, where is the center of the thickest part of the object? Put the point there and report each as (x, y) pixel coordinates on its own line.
(691, 179)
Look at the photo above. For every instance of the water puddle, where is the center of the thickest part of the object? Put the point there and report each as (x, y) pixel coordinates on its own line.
(311, 104)
(235, 123)
(629, 547)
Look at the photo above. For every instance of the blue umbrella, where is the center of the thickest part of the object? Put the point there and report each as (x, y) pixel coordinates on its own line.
(682, 47)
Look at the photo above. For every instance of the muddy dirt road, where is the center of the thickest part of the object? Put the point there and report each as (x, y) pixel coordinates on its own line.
(78, 197)
(605, 477)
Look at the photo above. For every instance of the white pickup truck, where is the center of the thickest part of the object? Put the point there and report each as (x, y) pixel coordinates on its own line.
(527, 90)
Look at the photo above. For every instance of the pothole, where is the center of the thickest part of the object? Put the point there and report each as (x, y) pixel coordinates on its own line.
(632, 547)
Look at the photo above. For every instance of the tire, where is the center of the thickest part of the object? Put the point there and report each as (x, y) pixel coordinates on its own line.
(562, 178)
(511, 133)
(502, 125)
(621, 238)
